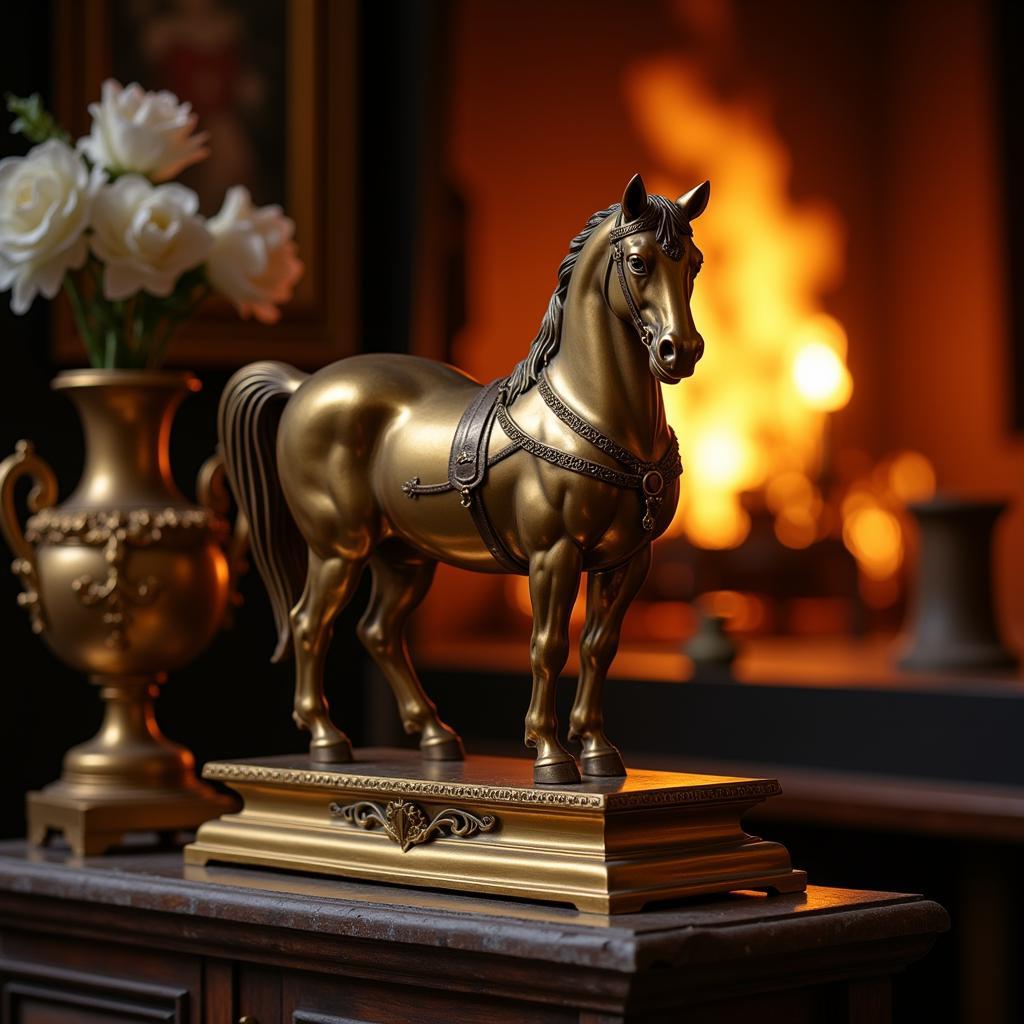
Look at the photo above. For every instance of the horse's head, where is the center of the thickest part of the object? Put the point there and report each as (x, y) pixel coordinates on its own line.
(655, 264)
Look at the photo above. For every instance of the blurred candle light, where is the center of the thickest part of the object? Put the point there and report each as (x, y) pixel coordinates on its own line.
(911, 477)
(874, 537)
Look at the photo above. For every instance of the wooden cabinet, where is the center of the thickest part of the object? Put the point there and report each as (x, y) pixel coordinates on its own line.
(138, 938)
(46, 980)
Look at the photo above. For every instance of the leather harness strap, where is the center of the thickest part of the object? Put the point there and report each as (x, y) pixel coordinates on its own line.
(589, 432)
(648, 477)
(468, 463)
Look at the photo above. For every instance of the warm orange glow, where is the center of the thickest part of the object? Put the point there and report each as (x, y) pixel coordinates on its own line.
(774, 366)
(721, 458)
(911, 477)
(821, 378)
(874, 537)
(796, 527)
(517, 590)
(789, 489)
(743, 612)
(664, 620)
(874, 522)
(718, 520)
(879, 593)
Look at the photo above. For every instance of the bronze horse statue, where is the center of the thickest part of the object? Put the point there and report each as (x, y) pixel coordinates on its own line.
(565, 466)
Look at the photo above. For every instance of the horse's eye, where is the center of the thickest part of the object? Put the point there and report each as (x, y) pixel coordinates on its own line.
(636, 264)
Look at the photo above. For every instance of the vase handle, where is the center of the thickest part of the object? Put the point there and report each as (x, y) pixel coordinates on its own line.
(213, 493)
(25, 463)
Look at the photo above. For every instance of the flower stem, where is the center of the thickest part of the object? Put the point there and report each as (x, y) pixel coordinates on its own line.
(111, 360)
(172, 323)
(82, 322)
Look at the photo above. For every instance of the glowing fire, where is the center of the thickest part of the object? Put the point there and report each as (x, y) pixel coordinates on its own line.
(775, 365)
(873, 520)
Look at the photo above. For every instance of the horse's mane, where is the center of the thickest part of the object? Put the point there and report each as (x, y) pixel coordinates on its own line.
(669, 227)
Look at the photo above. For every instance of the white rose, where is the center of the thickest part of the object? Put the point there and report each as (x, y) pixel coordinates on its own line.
(45, 200)
(253, 261)
(147, 235)
(143, 132)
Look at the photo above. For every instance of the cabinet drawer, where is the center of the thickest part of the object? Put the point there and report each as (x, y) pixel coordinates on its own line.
(46, 994)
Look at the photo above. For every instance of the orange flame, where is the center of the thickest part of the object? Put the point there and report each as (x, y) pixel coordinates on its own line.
(775, 365)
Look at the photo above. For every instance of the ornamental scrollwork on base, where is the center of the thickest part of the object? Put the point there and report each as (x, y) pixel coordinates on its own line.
(407, 824)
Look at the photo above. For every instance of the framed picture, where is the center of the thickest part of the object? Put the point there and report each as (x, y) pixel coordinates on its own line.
(273, 83)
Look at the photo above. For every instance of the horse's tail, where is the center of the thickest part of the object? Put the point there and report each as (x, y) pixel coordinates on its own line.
(248, 420)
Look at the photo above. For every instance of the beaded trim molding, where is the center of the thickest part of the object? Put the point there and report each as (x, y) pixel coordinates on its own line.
(231, 772)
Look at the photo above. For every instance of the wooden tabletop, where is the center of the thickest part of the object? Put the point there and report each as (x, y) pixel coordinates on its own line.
(495, 953)
(740, 924)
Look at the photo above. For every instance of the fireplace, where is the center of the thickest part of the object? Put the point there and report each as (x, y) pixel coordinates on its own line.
(856, 341)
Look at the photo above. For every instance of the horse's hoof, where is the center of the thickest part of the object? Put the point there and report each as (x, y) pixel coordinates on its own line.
(443, 748)
(560, 773)
(607, 764)
(337, 752)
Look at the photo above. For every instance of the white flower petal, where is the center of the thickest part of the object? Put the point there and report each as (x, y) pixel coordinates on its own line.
(253, 260)
(23, 294)
(148, 235)
(143, 132)
(45, 200)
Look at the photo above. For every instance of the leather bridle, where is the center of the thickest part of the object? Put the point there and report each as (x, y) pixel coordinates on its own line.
(646, 222)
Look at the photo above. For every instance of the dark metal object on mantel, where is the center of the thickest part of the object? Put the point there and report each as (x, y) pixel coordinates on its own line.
(711, 649)
(952, 622)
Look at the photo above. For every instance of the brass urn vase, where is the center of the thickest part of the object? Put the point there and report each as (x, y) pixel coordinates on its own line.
(125, 580)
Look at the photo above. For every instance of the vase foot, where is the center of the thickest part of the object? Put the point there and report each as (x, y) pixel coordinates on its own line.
(95, 819)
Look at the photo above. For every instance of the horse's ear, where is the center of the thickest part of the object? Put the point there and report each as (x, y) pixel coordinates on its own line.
(634, 199)
(695, 202)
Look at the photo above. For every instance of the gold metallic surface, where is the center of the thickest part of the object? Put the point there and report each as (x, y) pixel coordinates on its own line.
(125, 580)
(318, 463)
(605, 846)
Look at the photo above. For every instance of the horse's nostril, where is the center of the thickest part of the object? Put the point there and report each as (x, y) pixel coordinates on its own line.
(699, 350)
(667, 351)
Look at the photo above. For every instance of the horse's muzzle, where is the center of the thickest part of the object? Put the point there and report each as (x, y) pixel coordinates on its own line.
(671, 361)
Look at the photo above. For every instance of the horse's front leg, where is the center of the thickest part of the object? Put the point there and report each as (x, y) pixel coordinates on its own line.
(609, 595)
(554, 583)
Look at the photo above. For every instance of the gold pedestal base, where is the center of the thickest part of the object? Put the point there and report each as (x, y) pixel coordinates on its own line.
(93, 822)
(128, 778)
(606, 846)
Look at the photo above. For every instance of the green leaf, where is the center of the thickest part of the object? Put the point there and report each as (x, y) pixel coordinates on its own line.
(33, 120)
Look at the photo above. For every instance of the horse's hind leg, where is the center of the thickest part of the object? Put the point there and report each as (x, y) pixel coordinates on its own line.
(400, 582)
(330, 582)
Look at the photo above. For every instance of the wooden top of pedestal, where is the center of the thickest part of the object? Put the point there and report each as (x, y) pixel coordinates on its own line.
(500, 780)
